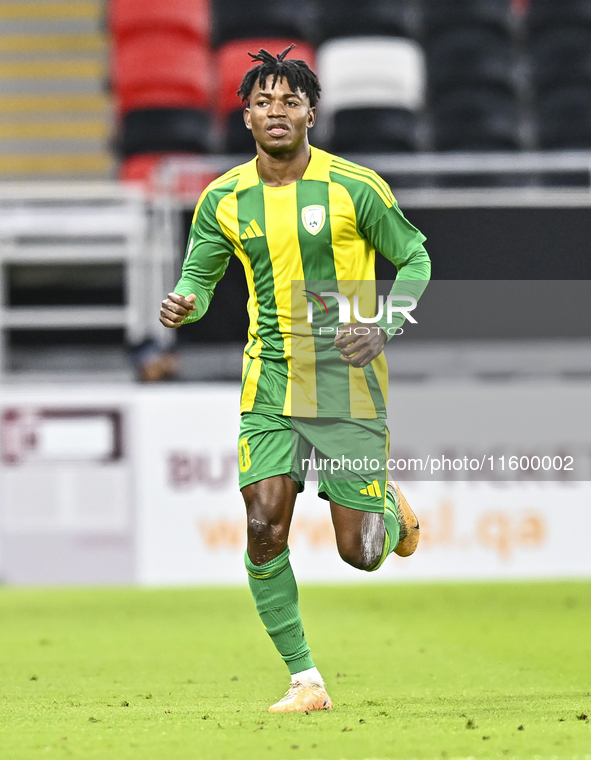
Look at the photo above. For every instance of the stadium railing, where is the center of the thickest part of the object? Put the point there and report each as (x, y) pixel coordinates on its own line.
(183, 178)
(75, 225)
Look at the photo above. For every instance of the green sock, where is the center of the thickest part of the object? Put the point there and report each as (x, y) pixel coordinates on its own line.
(275, 593)
(392, 527)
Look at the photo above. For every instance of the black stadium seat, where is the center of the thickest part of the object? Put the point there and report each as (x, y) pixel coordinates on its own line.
(465, 55)
(239, 139)
(564, 118)
(241, 19)
(546, 14)
(151, 130)
(560, 56)
(374, 130)
(476, 119)
(438, 14)
(351, 18)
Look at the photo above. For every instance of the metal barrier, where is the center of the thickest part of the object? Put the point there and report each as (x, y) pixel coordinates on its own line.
(82, 224)
(431, 174)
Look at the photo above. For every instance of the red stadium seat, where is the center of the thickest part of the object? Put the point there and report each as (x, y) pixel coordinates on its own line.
(233, 62)
(144, 169)
(160, 69)
(191, 17)
(141, 168)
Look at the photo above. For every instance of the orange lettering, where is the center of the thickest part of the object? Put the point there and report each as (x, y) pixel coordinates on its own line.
(532, 531)
(222, 534)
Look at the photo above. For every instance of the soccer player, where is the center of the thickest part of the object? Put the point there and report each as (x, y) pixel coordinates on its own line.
(296, 214)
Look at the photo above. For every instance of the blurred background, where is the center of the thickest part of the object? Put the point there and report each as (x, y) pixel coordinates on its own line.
(115, 115)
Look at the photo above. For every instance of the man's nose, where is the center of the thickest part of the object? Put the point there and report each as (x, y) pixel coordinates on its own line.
(277, 108)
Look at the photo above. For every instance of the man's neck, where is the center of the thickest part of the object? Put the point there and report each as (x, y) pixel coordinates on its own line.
(283, 169)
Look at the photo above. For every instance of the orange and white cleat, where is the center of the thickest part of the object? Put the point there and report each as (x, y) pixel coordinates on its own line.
(303, 697)
(410, 531)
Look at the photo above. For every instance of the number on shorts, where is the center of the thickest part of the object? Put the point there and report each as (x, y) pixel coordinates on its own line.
(243, 454)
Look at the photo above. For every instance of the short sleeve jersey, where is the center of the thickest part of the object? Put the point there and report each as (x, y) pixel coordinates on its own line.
(324, 228)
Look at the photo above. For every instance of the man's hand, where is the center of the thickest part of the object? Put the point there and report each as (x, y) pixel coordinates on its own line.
(362, 345)
(176, 308)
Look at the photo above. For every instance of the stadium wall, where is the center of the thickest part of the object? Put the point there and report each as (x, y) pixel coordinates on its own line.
(124, 484)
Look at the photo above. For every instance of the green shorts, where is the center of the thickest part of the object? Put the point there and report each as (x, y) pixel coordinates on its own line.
(349, 455)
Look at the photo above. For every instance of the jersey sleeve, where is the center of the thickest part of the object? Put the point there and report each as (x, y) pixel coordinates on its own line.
(206, 257)
(389, 232)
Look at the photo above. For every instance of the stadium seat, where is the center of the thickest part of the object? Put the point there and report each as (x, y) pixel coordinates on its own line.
(140, 168)
(143, 168)
(371, 71)
(373, 17)
(232, 63)
(160, 69)
(239, 20)
(560, 56)
(564, 118)
(237, 138)
(546, 14)
(190, 17)
(151, 130)
(438, 14)
(381, 79)
(466, 55)
(374, 130)
(476, 119)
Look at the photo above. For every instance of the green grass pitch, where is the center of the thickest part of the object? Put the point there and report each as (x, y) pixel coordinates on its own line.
(437, 671)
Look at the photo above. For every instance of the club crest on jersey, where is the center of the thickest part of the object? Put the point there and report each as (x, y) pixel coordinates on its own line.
(313, 218)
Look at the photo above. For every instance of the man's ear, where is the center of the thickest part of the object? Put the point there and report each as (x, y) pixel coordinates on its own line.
(247, 118)
(311, 117)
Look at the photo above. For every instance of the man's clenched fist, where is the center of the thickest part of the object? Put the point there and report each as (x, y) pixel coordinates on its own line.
(176, 308)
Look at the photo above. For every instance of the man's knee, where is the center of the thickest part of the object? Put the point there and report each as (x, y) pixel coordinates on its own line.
(359, 557)
(268, 517)
(362, 545)
(264, 531)
(269, 507)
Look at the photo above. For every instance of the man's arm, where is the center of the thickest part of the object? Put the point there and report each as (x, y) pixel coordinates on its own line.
(206, 259)
(402, 244)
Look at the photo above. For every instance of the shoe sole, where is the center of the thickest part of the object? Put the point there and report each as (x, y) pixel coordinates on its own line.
(409, 543)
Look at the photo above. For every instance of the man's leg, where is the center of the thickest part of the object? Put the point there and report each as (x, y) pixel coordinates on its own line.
(371, 517)
(269, 509)
(365, 539)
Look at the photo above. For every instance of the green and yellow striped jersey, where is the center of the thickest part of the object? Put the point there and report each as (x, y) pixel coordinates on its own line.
(323, 228)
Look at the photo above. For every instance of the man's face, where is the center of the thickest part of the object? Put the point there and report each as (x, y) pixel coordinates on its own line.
(278, 117)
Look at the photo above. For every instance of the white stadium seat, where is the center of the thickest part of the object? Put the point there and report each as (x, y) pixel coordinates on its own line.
(358, 72)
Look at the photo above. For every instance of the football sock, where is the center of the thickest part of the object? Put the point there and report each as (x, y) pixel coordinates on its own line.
(275, 593)
(392, 527)
(311, 674)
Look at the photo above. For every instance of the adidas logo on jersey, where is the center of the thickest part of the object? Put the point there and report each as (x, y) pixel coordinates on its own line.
(373, 489)
(253, 230)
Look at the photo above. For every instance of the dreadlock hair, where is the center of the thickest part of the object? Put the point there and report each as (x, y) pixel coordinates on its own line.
(298, 74)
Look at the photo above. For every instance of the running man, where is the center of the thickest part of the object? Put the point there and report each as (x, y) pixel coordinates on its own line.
(296, 214)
